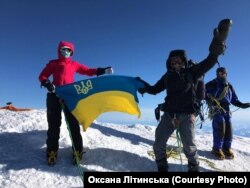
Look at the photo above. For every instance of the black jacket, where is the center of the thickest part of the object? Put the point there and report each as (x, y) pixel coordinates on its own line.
(179, 88)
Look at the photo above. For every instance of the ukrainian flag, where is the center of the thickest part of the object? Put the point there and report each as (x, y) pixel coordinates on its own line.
(87, 99)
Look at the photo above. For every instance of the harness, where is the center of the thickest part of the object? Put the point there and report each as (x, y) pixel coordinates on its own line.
(215, 105)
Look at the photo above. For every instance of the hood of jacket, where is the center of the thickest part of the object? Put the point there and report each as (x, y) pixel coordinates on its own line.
(69, 45)
(180, 53)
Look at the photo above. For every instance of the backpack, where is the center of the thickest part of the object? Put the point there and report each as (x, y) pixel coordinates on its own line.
(198, 92)
(199, 88)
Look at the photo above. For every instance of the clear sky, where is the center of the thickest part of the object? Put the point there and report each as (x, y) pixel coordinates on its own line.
(133, 36)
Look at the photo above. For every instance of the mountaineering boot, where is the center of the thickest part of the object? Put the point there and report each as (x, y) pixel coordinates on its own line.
(218, 45)
(218, 153)
(162, 165)
(193, 167)
(77, 156)
(229, 153)
(51, 157)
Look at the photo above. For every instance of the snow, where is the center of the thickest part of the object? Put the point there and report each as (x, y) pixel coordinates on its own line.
(109, 148)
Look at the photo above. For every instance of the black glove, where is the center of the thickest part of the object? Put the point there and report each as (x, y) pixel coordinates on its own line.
(50, 87)
(157, 113)
(217, 48)
(106, 70)
(245, 105)
(143, 89)
(218, 45)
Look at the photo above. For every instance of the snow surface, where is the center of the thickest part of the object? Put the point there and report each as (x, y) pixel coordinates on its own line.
(109, 147)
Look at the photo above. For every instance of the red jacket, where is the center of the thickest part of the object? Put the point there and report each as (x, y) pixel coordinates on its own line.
(63, 69)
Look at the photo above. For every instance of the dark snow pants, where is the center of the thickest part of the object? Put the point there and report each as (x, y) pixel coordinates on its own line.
(54, 118)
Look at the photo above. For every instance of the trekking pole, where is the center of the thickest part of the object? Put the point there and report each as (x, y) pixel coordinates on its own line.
(80, 170)
(179, 146)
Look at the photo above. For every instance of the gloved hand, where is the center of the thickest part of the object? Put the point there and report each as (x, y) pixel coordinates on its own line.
(217, 48)
(106, 70)
(143, 89)
(50, 87)
(218, 45)
(245, 105)
(157, 113)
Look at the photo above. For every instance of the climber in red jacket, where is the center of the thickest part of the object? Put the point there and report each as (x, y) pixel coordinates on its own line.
(62, 70)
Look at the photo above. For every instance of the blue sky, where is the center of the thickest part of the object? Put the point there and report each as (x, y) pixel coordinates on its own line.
(133, 36)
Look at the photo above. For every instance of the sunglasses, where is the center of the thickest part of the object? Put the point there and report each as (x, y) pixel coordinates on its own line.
(66, 49)
(222, 72)
(176, 63)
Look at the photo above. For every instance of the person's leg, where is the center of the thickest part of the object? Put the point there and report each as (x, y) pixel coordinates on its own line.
(162, 134)
(75, 134)
(218, 131)
(187, 133)
(54, 123)
(218, 135)
(228, 137)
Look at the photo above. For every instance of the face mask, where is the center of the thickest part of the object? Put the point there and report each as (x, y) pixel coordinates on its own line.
(65, 52)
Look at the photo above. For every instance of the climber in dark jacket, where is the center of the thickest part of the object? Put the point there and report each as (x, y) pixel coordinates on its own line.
(179, 107)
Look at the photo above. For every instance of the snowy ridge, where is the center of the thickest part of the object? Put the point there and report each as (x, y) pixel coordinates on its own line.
(109, 147)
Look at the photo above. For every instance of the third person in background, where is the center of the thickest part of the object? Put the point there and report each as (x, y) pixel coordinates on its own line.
(220, 94)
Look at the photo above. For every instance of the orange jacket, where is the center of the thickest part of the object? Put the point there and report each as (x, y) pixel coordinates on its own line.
(12, 108)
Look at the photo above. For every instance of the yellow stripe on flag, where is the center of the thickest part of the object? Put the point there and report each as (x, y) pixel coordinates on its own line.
(88, 109)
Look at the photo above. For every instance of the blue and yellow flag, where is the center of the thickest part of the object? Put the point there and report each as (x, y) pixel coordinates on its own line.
(89, 98)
